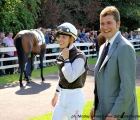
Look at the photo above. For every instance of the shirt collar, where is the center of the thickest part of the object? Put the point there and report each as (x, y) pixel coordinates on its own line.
(112, 39)
(70, 47)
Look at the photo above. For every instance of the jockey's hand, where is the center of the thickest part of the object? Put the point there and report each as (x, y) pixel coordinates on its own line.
(65, 53)
(54, 100)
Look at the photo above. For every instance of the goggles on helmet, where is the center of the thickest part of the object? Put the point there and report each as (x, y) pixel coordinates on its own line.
(64, 31)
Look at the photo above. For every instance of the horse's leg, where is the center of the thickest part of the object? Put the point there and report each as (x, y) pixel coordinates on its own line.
(41, 66)
(20, 79)
(21, 74)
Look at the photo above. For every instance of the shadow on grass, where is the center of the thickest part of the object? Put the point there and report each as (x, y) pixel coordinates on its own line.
(33, 88)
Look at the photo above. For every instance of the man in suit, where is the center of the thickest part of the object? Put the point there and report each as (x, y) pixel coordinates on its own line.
(115, 75)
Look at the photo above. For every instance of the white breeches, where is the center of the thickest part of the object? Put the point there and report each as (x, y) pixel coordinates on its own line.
(70, 105)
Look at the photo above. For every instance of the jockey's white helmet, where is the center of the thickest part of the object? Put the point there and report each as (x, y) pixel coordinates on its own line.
(67, 29)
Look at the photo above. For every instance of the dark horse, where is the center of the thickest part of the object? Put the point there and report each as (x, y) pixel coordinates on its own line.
(29, 42)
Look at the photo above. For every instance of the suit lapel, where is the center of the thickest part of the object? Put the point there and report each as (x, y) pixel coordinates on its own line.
(112, 49)
(99, 59)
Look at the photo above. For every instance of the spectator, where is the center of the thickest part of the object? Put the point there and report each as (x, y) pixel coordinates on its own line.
(48, 41)
(91, 37)
(78, 36)
(47, 36)
(95, 34)
(77, 40)
(131, 35)
(83, 33)
(126, 35)
(44, 64)
(2, 44)
(53, 50)
(138, 35)
(79, 33)
(86, 38)
(53, 34)
(2, 36)
(28, 68)
(2, 39)
(10, 43)
(96, 41)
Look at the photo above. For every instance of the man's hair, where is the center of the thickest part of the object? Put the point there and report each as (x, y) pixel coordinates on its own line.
(9, 32)
(111, 10)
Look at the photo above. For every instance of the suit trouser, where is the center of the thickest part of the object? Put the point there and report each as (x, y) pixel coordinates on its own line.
(98, 113)
(100, 116)
(70, 105)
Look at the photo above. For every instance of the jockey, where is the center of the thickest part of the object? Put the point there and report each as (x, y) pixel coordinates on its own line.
(72, 68)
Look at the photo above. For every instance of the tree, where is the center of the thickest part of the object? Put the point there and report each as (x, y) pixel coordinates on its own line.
(78, 12)
(48, 15)
(129, 12)
(17, 15)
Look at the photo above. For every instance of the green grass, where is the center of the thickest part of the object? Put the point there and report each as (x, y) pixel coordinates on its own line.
(47, 116)
(86, 111)
(35, 73)
(92, 60)
(138, 99)
(138, 53)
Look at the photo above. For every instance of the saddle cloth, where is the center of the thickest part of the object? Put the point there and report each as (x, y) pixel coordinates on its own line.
(40, 36)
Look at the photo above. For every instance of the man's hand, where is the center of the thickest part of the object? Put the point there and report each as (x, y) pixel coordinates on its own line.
(65, 53)
(110, 117)
(54, 100)
(92, 114)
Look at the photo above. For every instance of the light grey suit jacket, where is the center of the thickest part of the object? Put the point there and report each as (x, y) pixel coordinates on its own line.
(115, 80)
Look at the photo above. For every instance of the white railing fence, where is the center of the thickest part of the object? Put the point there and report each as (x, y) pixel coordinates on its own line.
(135, 43)
(50, 46)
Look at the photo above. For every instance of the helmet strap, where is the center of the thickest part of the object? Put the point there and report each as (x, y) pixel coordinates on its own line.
(68, 45)
(69, 42)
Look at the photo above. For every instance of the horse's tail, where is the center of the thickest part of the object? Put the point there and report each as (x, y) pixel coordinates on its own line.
(20, 52)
